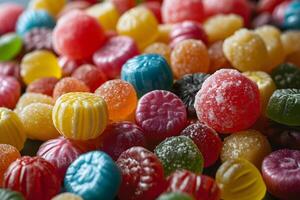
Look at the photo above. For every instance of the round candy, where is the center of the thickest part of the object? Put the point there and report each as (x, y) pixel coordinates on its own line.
(31, 19)
(217, 57)
(6, 194)
(189, 56)
(67, 196)
(262, 19)
(93, 175)
(294, 58)
(38, 39)
(10, 46)
(142, 175)
(9, 14)
(80, 116)
(159, 48)
(124, 5)
(160, 114)
(53, 7)
(120, 97)
(292, 16)
(279, 12)
(68, 65)
(29, 98)
(155, 8)
(286, 76)
(39, 64)
(290, 40)
(268, 5)
(179, 153)
(38, 180)
(10, 69)
(42, 86)
(10, 90)
(112, 56)
(134, 22)
(164, 31)
(284, 107)
(281, 173)
(228, 101)
(77, 35)
(239, 179)
(12, 129)
(147, 73)
(174, 196)
(73, 5)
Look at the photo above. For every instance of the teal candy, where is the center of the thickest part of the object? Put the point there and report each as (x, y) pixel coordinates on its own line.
(93, 175)
(31, 19)
(10, 46)
(284, 107)
(174, 196)
(292, 16)
(147, 73)
(10, 195)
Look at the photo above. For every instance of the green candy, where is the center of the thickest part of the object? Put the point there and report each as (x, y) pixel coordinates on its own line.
(174, 196)
(10, 46)
(286, 76)
(179, 153)
(284, 107)
(10, 195)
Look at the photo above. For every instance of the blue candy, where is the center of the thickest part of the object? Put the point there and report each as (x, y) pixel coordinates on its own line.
(292, 16)
(147, 73)
(93, 175)
(34, 19)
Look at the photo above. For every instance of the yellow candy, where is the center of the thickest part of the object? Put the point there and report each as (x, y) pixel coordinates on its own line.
(246, 51)
(238, 179)
(67, 196)
(52, 6)
(161, 49)
(80, 116)
(11, 129)
(37, 120)
(39, 64)
(265, 85)
(164, 31)
(140, 24)
(290, 41)
(106, 13)
(29, 98)
(220, 27)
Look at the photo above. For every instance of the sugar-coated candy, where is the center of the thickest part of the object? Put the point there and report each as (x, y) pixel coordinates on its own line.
(189, 56)
(179, 152)
(67, 196)
(246, 51)
(207, 141)
(228, 101)
(159, 48)
(155, 8)
(200, 187)
(68, 65)
(186, 89)
(239, 179)
(217, 57)
(147, 73)
(160, 114)
(281, 173)
(38, 181)
(6, 194)
(174, 196)
(38, 39)
(112, 56)
(10, 46)
(39, 64)
(53, 7)
(120, 97)
(29, 98)
(290, 40)
(284, 107)
(42, 86)
(134, 22)
(93, 175)
(292, 16)
(10, 68)
(73, 5)
(142, 175)
(12, 129)
(9, 14)
(80, 116)
(286, 75)
(77, 35)
(227, 25)
(31, 19)
(10, 90)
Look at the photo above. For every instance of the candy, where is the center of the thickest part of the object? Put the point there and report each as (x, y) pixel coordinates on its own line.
(10, 195)
(227, 25)
(164, 31)
(155, 8)
(10, 90)
(31, 19)
(120, 97)
(268, 5)
(292, 16)
(77, 35)
(290, 40)
(112, 56)
(30, 98)
(68, 65)
(123, 5)
(228, 101)
(239, 179)
(160, 114)
(281, 173)
(53, 7)
(294, 58)
(10, 69)
(38, 181)
(67, 196)
(284, 107)
(12, 129)
(246, 51)
(189, 56)
(159, 48)
(42, 86)
(142, 174)
(39, 64)
(207, 141)
(262, 19)
(134, 22)
(80, 116)
(73, 5)
(174, 196)
(147, 73)
(38, 39)
(279, 12)
(217, 57)
(9, 14)
(200, 187)
(186, 89)
(93, 175)
(179, 153)
(286, 76)
(10, 46)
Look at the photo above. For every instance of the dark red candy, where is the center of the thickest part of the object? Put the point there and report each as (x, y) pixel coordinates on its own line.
(10, 69)
(69, 65)
(43, 86)
(142, 175)
(10, 91)
(38, 39)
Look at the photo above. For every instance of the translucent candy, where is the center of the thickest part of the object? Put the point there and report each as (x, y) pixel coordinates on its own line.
(164, 31)
(29, 98)
(10, 46)
(161, 49)
(53, 7)
(290, 41)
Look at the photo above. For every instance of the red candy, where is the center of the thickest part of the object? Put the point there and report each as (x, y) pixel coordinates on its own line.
(69, 65)
(43, 86)
(116, 51)
(228, 101)
(201, 187)
(10, 69)
(268, 5)
(155, 7)
(142, 175)
(279, 12)
(9, 14)
(34, 177)
(78, 35)
(10, 91)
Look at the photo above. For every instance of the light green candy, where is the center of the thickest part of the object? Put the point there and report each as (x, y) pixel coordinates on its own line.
(10, 46)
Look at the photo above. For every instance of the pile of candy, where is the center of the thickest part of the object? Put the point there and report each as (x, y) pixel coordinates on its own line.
(150, 100)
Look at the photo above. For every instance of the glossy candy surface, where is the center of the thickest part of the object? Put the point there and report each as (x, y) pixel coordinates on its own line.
(9, 14)
(42, 86)
(10, 90)
(53, 7)
(161, 49)
(10, 46)
(292, 16)
(6, 194)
